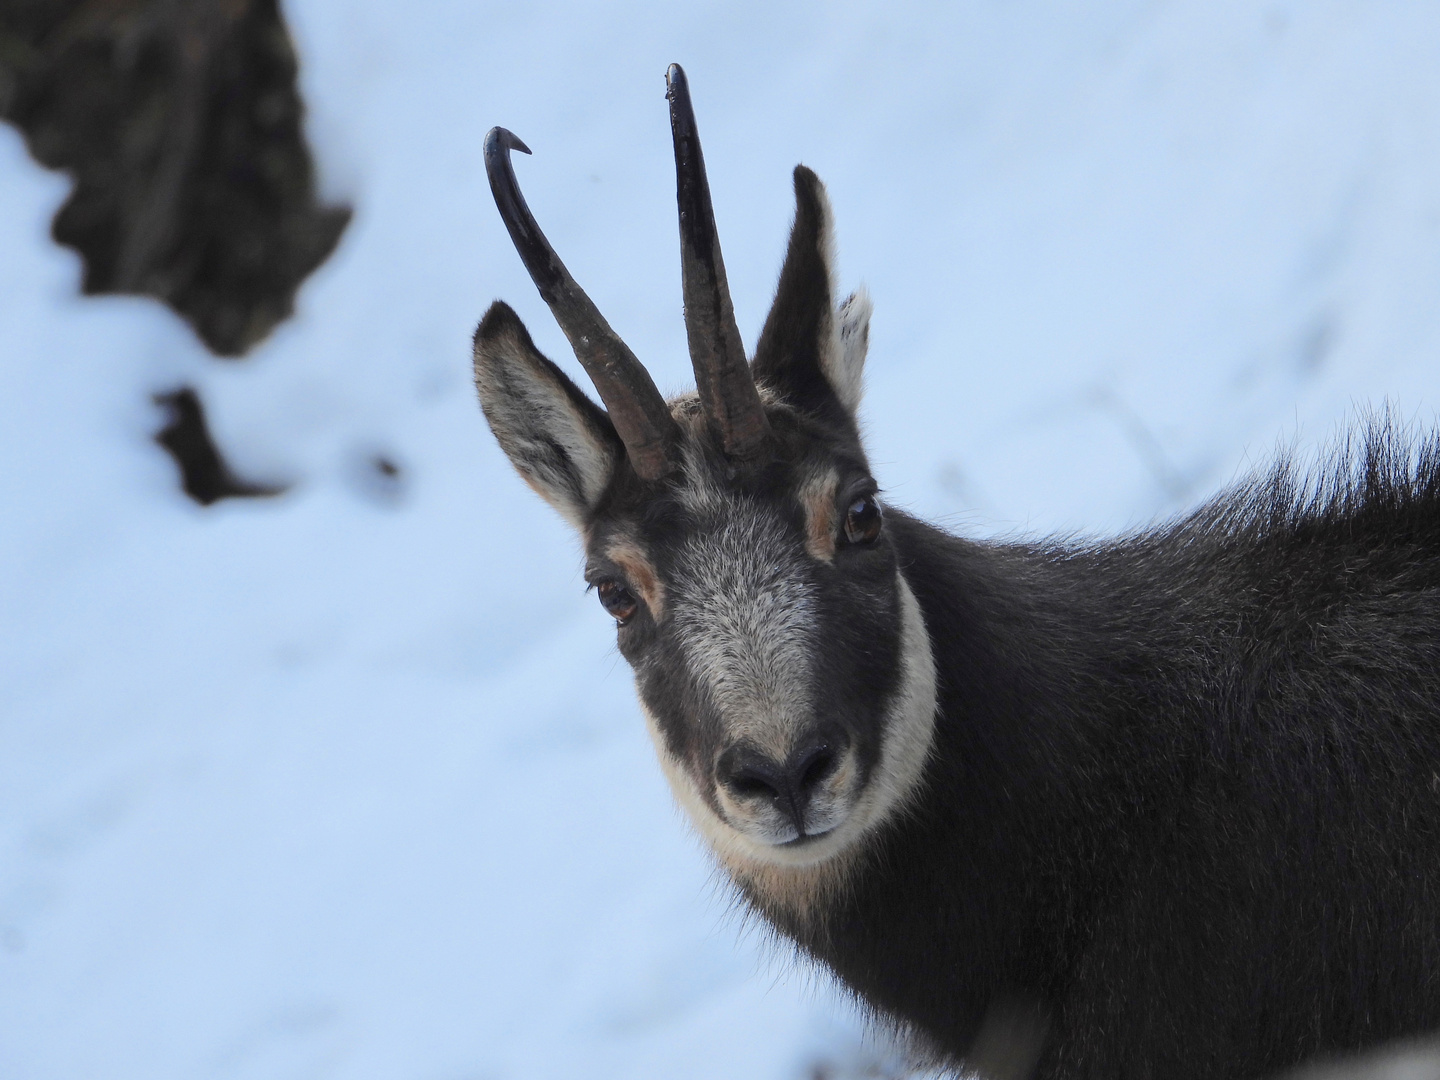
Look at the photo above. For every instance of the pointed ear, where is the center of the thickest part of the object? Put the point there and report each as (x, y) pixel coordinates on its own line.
(561, 443)
(809, 352)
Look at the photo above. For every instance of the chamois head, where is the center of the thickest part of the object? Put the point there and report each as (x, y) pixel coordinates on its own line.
(735, 534)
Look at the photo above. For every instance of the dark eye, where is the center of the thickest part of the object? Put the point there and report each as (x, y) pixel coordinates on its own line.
(619, 601)
(862, 521)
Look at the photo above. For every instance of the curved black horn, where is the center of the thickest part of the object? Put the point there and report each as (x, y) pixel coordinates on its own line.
(639, 413)
(727, 389)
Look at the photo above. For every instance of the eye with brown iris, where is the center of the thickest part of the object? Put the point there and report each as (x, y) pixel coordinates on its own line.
(862, 521)
(619, 601)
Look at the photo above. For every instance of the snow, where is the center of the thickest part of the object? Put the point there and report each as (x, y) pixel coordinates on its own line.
(351, 783)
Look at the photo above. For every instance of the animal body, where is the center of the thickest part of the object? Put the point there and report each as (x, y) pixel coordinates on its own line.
(1174, 798)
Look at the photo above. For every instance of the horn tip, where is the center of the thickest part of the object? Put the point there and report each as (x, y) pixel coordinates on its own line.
(499, 138)
(675, 78)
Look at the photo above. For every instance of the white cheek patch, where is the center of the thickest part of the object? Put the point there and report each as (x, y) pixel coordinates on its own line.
(909, 721)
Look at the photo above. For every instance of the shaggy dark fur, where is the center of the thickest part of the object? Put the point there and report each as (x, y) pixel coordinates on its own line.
(1186, 790)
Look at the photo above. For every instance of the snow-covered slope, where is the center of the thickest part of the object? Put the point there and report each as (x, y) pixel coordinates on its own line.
(351, 783)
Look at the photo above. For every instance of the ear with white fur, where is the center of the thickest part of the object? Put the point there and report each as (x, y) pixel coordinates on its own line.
(810, 353)
(561, 443)
(847, 367)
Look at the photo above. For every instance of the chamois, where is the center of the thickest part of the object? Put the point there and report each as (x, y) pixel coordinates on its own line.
(1174, 797)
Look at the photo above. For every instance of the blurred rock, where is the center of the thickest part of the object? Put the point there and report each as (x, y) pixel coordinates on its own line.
(181, 125)
(204, 474)
(377, 476)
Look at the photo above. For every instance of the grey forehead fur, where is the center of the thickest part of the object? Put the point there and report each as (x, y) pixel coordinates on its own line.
(744, 619)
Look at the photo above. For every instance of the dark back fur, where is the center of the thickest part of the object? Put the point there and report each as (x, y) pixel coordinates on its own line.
(1186, 789)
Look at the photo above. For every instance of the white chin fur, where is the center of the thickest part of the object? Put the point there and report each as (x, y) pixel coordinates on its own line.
(909, 730)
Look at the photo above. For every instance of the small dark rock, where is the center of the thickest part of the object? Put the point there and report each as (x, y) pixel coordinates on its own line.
(378, 476)
(204, 474)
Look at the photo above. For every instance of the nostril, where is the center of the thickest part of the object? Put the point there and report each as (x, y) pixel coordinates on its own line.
(812, 767)
(750, 776)
(751, 783)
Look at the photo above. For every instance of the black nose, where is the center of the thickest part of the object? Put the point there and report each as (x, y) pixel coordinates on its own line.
(789, 784)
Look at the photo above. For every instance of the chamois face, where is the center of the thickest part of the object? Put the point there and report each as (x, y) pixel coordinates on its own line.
(773, 641)
(735, 534)
(779, 657)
